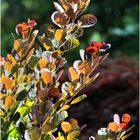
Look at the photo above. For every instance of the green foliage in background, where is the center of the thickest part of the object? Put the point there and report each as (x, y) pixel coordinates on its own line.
(118, 22)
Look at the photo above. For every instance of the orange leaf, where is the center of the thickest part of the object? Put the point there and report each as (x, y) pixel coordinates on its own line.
(113, 126)
(58, 34)
(54, 92)
(7, 65)
(42, 63)
(9, 101)
(7, 82)
(2, 95)
(84, 67)
(46, 77)
(41, 94)
(73, 74)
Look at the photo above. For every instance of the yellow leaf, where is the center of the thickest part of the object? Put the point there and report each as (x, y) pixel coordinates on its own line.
(34, 133)
(16, 44)
(11, 59)
(9, 101)
(46, 77)
(29, 103)
(72, 135)
(58, 34)
(126, 136)
(2, 95)
(7, 65)
(42, 63)
(71, 89)
(60, 138)
(78, 99)
(22, 78)
(29, 77)
(66, 127)
(65, 107)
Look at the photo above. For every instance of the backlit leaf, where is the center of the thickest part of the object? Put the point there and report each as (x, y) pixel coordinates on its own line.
(84, 67)
(66, 127)
(58, 34)
(71, 44)
(9, 101)
(46, 77)
(7, 82)
(47, 44)
(65, 107)
(78, 99)
(73, 135)
(23, 110)
(42, 62)
(73, 74)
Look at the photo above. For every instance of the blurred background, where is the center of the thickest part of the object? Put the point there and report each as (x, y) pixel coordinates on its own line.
(116, 90)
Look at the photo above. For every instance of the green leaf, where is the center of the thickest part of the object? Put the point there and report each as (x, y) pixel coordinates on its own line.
(23, 110)
(22, 95)
(46, 43)
(71, 44)
(34, 133)
(72, 135)
(33, 61)
(78, 99)
(59, 117)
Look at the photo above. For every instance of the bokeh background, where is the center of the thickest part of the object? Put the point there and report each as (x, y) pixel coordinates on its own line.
(116, 90)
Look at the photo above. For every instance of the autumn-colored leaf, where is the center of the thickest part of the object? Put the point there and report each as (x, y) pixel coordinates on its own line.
(73, 74)
(46, 77)
(84, 67)
(113, 126)
(7, 82)
(41, 94)
(72, 135)
(42, 63)
(66, 127)
(78, 99)
(7, 65)
(16, 44)
(9, 101)
(54, 92)
(65, 107)
(74, 123)
(58, 34)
